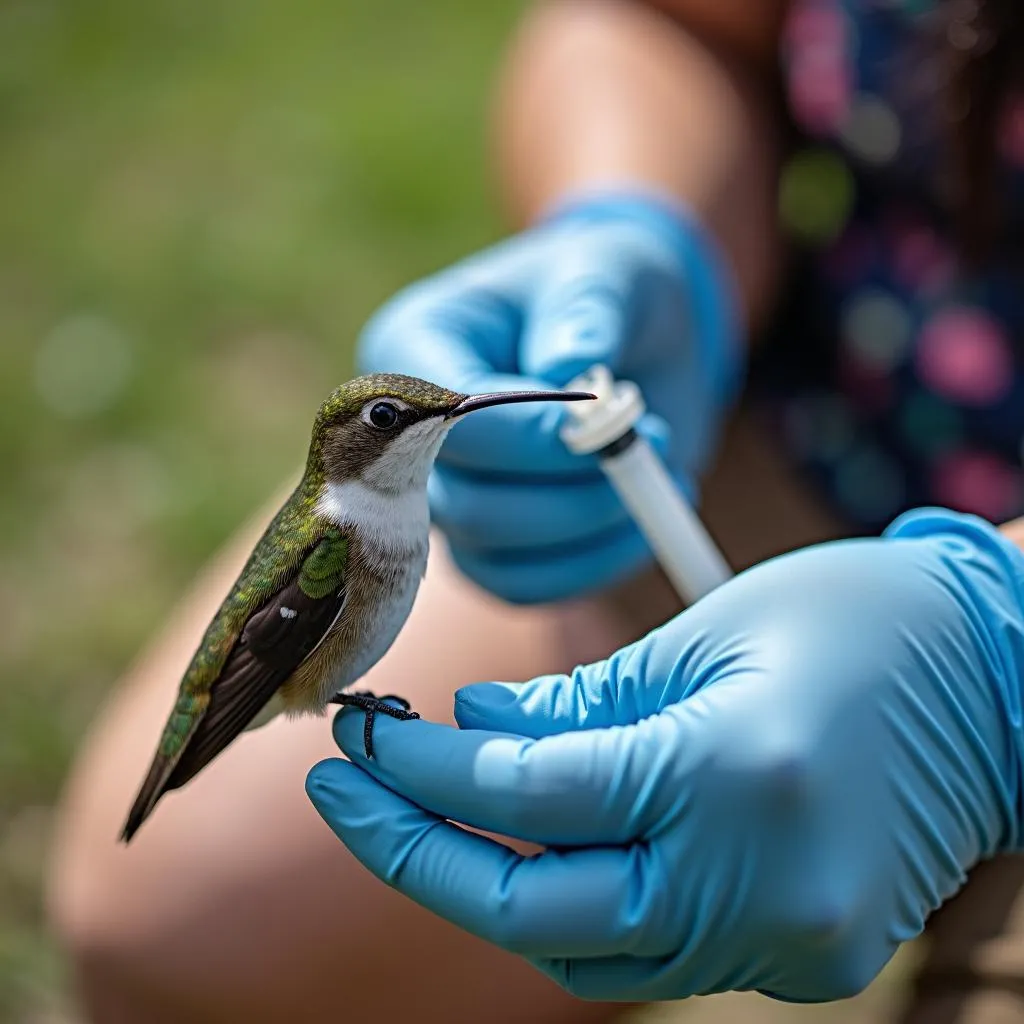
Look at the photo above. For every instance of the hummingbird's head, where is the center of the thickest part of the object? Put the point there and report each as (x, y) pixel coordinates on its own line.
(385, 429)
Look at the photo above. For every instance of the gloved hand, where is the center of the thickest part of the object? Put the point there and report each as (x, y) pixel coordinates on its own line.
(770, 792)
(623, 280)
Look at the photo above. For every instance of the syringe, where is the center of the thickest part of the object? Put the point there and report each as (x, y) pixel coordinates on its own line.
(681, 544)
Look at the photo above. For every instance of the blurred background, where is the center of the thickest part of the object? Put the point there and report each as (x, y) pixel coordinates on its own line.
(200, 203)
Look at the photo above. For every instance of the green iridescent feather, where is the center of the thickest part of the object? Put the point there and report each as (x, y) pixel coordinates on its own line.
(323, 572)
(278, 554)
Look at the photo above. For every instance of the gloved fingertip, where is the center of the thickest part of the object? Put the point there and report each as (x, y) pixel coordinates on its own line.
(389, 737)
(349, 710)
(579, 319)
(348, 728)
(561, 367)
(543, 706)
(327, 780)
(564, 342)
(477, 705)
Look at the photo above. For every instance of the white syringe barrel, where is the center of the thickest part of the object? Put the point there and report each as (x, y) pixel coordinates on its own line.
(681, 544)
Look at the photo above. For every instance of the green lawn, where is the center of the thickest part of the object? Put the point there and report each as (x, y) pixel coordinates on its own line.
(200, 203)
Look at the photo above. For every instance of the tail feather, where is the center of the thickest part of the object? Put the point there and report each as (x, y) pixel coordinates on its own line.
(243, 689)
(152, 789)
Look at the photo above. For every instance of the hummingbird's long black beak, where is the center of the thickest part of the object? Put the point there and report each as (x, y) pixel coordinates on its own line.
(474, 402)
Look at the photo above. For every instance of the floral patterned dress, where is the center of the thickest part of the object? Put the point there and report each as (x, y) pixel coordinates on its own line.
(897, 379)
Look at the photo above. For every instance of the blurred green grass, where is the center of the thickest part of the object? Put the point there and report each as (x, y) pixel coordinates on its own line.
(200, 203)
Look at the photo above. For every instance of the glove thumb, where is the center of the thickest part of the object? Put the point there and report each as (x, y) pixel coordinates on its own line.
(581, 315)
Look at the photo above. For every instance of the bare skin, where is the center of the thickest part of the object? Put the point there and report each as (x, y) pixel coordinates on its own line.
(673, 96)
(235, 902)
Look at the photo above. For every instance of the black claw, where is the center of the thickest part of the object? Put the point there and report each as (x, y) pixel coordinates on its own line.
(370, 705)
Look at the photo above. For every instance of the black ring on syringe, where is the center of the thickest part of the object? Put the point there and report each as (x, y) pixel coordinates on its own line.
(619, 445)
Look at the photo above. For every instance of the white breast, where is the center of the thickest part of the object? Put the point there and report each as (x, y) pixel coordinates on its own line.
(393, 528)
(379, 631)
(391, 520)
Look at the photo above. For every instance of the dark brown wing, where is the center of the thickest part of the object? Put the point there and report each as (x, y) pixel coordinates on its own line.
(276, 639)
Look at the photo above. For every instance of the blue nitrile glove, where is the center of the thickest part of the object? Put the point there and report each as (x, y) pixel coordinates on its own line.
(621, 279)
(770, 792)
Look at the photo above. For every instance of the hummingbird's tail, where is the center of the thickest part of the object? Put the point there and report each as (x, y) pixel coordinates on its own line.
(243, 689)
(153, 787)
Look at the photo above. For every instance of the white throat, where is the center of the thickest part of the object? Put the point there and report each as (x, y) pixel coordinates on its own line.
(395, 520)
(388, 504)
(405, 462)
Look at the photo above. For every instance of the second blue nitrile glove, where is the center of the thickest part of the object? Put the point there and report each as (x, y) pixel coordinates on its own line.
(624, 280)
(771, 792)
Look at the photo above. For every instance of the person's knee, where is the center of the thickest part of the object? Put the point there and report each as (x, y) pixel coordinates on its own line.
(104, 962)
(82, 905)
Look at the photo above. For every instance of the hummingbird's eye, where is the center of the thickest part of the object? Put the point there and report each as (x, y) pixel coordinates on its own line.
(383, 415)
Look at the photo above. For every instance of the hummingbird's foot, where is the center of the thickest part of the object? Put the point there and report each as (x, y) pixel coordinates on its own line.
(370, 705)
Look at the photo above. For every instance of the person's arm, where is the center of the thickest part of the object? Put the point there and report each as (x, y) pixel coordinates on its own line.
(677, 95)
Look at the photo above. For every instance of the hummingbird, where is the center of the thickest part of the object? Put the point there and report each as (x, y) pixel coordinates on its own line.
(329, 584)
